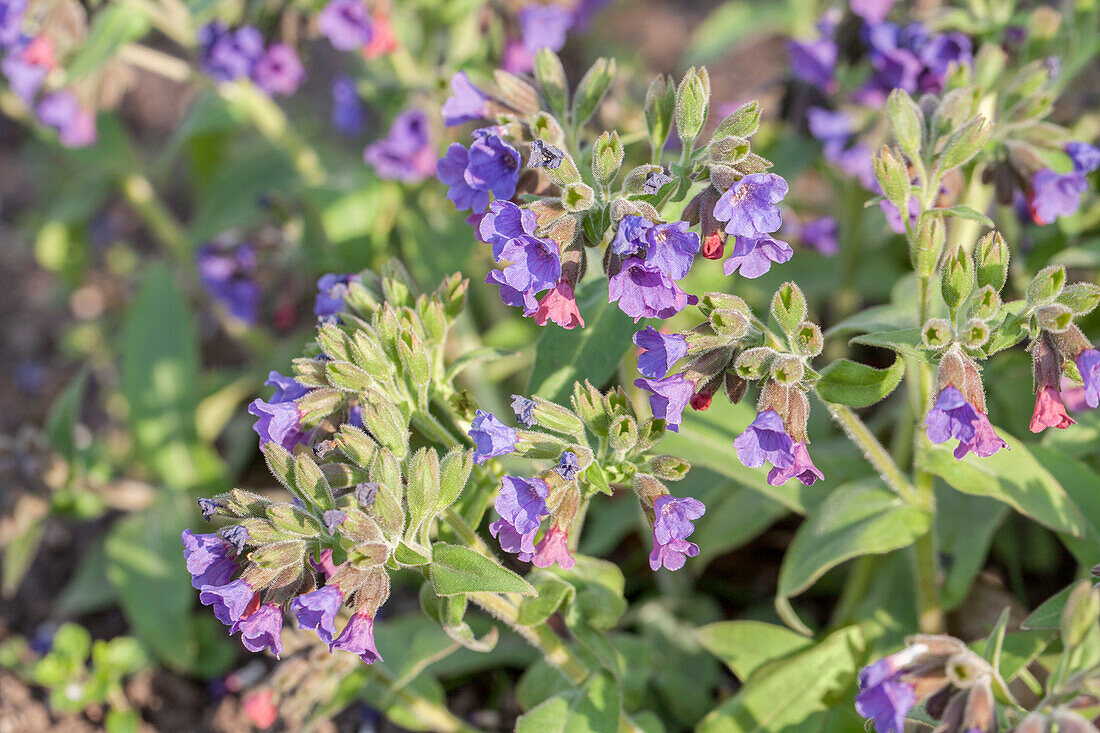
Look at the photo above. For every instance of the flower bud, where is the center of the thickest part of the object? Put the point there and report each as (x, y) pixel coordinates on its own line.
(388, 426)
(1053, 317)
(537, 445)
(607, 157)
(985, 304)
(728, 150)
(552, 416)
(692, 103)
(925, 249)
(906, 122)
(549, 137)
(708, 364)
(660, 101)
(669, 468)
(893, 176)
(318, 404)
(958, 278)
(787, 369)
(729, 323)
(753, 364)
(592, 88)
(623, 434)
(964, 143)
(937, 333)
(516, 92)
(709, 302)
(735, 387)
(589, 404)
(974, 333)
(808, 339)
(743, 122)
(789, 307)
(578, 197)
(992, 257)
(550, 75)
(1081, 298)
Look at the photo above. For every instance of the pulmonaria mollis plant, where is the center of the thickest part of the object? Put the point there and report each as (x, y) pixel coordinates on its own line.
(541, 219)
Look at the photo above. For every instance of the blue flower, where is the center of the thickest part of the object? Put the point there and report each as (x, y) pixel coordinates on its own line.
(668, 398)
(672, 525)
(659, 351)
(492, 437)
(278, 419)
(749, 206)
(753, 256)
(317, 610)
(331, 289)
(765, 441)
(467, 103)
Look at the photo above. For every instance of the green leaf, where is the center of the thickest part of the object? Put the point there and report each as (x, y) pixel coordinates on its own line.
(906, 342)
(746, 645)
(964, 530)
(18, 552)
(858, 385)
(1048, 616)
(160, 364)
(64, 416)
(734, 516)
(1012, 476)
(113, 27)
(599, 602)
(965, 212)
(1080, 482)
(783, 695)
(457, 569)
(552, 593)
(594, 708)
(593, 352)
(145, 565)
(856, 519)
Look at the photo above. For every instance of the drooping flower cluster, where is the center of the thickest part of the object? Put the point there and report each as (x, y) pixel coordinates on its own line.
(29, 58)
(954, 683)
(541, 245)
(228, 274)
(239, 53)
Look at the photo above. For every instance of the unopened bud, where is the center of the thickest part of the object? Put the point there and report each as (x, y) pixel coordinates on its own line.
(937, 333)
(753, 364)
(958, 278)
(992, 255)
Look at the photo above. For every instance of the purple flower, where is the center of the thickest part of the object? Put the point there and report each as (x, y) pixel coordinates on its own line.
(333, 518)
(568, 466)
(524, 409)
(1085, 157)
(645, 292)
(526, 299)
(630, 237)
(672, 524)
(534, 263)
(11, 21)
(467, 103)
(317, 611)
(279, 71)
(893, 216)
(938, 54)
(26, 64)
(405, 154)
(813, 61)
(659, 351)
(349, 114)
(802, 469)
(668, 398)
(553, 548)
(1088, 364)
(872, 11)
(493, 165)
(521, 503)
(346, 24)
(749, 206)
(263, 630)
(236, 535)
(278, 419)
(671, 248)
(208, 507)
(492, 437)
(753, 256)
(331, 289)
(228, 55)
(451, 170)
(765, 440)
(365, 493)
(358, 638)
(229, 601)
(208, 560)
(884, 697)
(820, 234)
(512, 541)
(544, 26)
(228, 276)
(856, 161)
(1054, 195)
(829, 127)
(62, 111)
(504, 222)
(953, 417)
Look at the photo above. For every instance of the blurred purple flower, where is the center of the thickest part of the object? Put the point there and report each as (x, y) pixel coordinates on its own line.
(405, 154)
(1085, 157)
(884, 697)
(227, 273)
(349, 114)
(813, 61)
(229, 54)
(26, 64)
(346, 24)
(467, 103)
(11, 21)
(279, 71)
(820, 234)
(62, 111)
(1055, 194)
(1088, 364)
(872, 11)
(331, 289)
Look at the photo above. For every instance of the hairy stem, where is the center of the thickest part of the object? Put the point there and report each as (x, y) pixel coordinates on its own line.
(435, 716)
(873, 451)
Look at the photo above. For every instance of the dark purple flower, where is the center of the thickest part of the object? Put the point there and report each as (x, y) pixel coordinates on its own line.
(228, 276)
(503, 222)
(346, 24)
(236, 535)
(317, 610)
(953, 417)
(820, 234)
(521, 503)
(668, 397)
(208, 559)
(62, 111)
(279, 71)
(263, 630)
(467, 103)
(230, 601)
(765, 441)
(358, 638)
(1088, 364)
(1085, 157)
(492, 437)
(553, 548)
(534, 263)
(524, 409)
(937, 55)
(451, 170)
(526, 299)
(493, 165)
(659, 351)
(645, 292)
(278, 419)
(630, 237)
(813, 61)
(349, 114)
(229, 55)
(405, 154)
(11, 21)
(749, 206)
(287, 389)
(1054, 195)
(753, 256)
(802, 469)
(884, 697)
(331, 289)
(568, 466)
(208, 507)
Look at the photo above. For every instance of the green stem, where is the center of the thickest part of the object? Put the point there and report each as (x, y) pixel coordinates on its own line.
(141, 195)
(873, 451)
(435, 716)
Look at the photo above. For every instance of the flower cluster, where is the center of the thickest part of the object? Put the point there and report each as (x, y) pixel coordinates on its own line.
(550, 501)
(239, 53)
(228, 274)
(349, 26)
(542, 245)
(28, 60)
